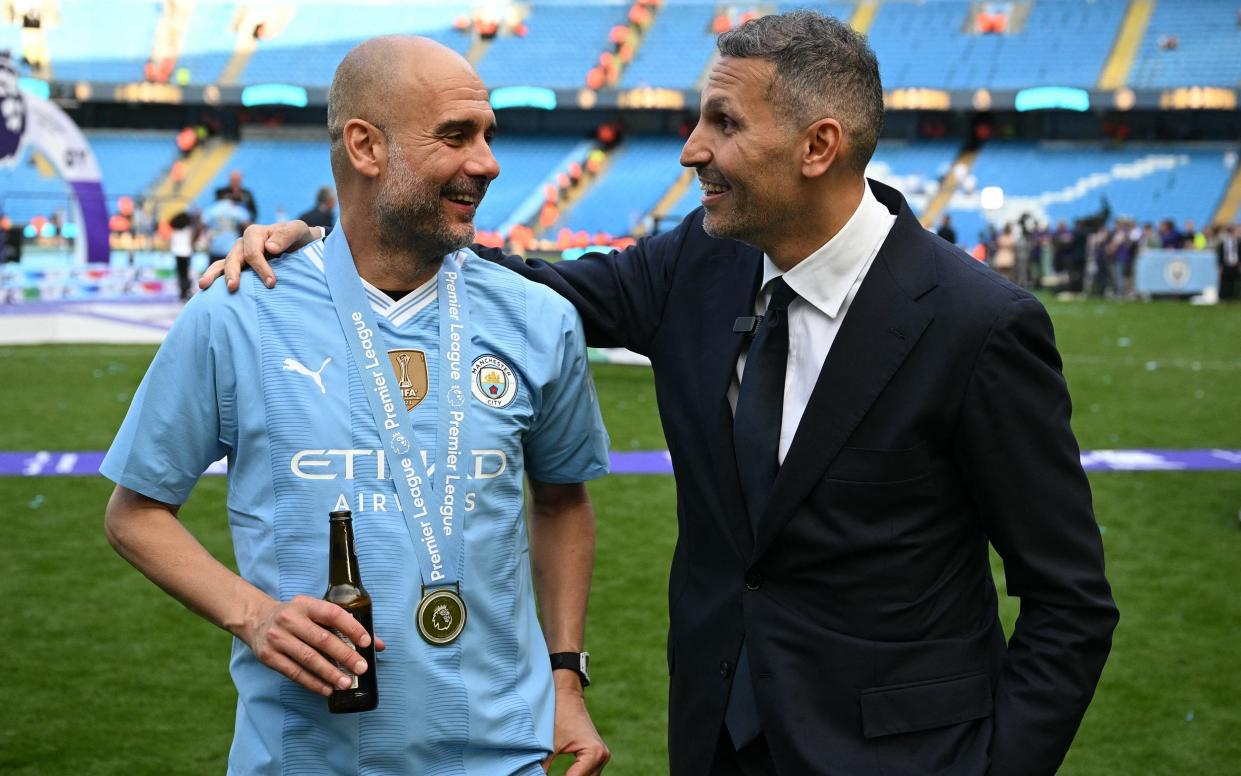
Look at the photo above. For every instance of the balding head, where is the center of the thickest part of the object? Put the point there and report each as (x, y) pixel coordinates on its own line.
(386, 79)
(411, 126)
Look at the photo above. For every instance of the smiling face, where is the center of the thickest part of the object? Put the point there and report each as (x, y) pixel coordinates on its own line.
(745, 155)
(439, 160)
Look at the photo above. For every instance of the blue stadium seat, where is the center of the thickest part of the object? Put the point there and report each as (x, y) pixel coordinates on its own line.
(525, 164)
(26, 193)
(317, 38)
(676, 49)
(1063, 43)
(1062, 181)
(641, 171)
(1208, 51)
(914, 169)
(130, 163)
(283, 174)
(102, 41)
(209, 41)
(563, 43)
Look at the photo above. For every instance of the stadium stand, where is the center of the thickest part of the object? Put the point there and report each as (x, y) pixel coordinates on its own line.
(128, 161)
(641, 170)
(914, 169)
(308, 50)
(283, 174)
(102, 41)
(1055, 181)
(1190, 43)
(208, 43)
(525, 164)
(131, 161)
(562, 44)
(29, 191)
(676, 49)
(1063, 43)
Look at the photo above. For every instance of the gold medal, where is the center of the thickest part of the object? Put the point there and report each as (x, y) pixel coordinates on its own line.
(440, 616)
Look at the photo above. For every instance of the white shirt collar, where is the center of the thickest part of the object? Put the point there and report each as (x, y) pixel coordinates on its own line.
(824, 277)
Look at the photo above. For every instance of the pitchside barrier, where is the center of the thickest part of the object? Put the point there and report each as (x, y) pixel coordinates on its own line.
(1179, 273)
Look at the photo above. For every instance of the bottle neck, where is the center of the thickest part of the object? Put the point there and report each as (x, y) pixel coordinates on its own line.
(342, 560)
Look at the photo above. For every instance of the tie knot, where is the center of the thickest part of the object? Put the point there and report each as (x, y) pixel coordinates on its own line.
(781, 296)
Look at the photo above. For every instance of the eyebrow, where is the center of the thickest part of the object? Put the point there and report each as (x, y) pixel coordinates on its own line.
(718, 105)
(463, 125)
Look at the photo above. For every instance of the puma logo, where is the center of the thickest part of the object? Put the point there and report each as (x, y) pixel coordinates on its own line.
(293, 365)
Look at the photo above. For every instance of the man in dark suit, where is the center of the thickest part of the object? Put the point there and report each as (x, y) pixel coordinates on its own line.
(1228, 257)
(946, 231)
(239, 194)
(843, 462)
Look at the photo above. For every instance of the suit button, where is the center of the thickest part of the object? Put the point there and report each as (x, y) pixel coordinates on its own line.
(726, 669)
(753, 580)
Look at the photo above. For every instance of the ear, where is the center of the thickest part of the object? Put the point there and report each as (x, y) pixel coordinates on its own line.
(821, 145)
(367, 147)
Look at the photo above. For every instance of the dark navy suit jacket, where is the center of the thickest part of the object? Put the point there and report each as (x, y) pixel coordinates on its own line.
(939, 424)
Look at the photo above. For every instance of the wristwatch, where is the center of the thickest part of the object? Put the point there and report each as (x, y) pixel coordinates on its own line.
(577, 662)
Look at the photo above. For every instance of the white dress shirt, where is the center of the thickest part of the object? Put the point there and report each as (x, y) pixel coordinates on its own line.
(825, 282)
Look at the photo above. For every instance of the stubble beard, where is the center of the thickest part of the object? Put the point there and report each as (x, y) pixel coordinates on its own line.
(732, 220)
(753, 220)
(412, 221)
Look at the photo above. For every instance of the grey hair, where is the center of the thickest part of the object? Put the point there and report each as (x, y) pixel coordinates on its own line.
(824, 69)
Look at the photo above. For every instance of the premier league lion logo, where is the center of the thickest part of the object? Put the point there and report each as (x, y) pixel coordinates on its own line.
(12, 113)
(441, 618)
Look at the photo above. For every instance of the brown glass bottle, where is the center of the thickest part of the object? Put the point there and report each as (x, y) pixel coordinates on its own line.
(344, 588)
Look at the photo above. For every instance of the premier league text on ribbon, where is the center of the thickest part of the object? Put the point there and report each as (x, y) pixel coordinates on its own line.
(444, 549)
(392, 422)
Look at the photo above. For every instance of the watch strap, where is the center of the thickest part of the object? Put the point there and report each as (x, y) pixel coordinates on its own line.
(577, 662)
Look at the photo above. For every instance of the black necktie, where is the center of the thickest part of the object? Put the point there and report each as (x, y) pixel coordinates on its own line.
(756, 437)
(760, 403)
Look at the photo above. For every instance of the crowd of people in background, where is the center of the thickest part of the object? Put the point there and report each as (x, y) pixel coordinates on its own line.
(1096, 255)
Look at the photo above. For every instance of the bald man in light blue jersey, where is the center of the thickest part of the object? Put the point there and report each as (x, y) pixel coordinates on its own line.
(396, 375)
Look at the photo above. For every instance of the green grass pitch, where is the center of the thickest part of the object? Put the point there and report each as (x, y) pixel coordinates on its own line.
(107, 675)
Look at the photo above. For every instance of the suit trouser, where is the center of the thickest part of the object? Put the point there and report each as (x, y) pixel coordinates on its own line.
(754, 759)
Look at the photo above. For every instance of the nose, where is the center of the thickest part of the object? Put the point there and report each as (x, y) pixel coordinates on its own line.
(695, 153)
(482, 162)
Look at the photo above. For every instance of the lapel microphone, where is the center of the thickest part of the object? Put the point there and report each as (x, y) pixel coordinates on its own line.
(747, 325)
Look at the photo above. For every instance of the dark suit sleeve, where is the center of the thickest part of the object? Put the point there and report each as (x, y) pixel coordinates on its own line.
(620, 295)
(1023, 464)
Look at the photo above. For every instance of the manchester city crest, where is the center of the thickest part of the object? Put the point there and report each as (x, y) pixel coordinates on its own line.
(493, 381)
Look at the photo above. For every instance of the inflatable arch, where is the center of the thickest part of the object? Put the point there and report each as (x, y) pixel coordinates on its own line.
(27, 120)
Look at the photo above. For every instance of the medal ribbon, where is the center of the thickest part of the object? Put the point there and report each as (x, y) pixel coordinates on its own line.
(429, 507)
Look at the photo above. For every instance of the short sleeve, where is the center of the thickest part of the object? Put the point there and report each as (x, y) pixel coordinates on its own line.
(173, 430)
(567, 442)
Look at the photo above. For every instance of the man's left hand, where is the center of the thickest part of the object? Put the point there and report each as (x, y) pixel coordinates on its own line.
(576, 734)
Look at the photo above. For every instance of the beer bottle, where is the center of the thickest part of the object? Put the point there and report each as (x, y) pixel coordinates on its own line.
(344, 588)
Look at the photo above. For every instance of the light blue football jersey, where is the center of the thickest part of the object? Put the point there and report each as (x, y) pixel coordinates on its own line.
(265, 378)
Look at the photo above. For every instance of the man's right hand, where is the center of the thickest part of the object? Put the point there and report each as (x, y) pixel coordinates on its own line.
(294, 636)
(254, 247)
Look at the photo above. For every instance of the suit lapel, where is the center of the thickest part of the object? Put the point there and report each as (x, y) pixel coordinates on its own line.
(881, 327)
(729, 293)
